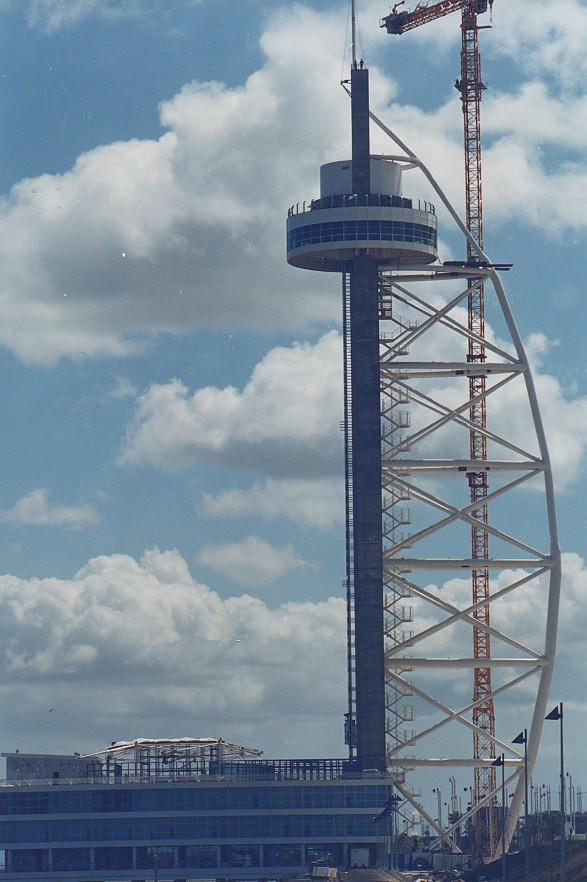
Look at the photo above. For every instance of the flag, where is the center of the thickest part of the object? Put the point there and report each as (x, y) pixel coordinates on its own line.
(521, 738)
(556, 713)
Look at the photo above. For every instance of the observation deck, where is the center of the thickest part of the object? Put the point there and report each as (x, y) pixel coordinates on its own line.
(328, 232)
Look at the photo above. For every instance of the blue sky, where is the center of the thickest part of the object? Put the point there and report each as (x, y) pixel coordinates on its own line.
(172, 460)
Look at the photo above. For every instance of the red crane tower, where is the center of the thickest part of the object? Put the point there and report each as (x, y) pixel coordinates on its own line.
(471, 87)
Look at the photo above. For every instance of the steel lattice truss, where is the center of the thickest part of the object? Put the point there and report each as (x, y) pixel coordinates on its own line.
(428, 399)
(164, 758)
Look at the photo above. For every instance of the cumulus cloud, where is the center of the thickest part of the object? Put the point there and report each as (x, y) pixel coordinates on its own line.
(36, 510)
(544, 40)
(129, 643)
(163, 236)
(565, 419)
(316, 504)
(139, 647)
(155, 236)
(252, 562)
(285, 420)
(534, 164)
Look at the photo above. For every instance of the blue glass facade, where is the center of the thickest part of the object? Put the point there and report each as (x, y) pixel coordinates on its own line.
(90, 832)
(361, 231)
(176, 796)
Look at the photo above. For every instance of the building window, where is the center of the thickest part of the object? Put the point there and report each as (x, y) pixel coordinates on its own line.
(27, 860)
(330, 853)
(196, 856)
(150, 855)
(239, 856)
(113, 858)
(65, 859)
(282, 855)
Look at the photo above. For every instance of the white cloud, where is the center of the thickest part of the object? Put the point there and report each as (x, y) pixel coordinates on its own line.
(129, 648)
(252, 562)
(53, 14)
(533, 158)
(514, 115)
(36, 510)
(317, 504)
(544, 39)
(285, 420)
(149, 237)
(565, 419)
(123, 388)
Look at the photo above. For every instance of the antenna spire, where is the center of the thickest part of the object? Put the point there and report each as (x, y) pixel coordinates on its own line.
(353, 34)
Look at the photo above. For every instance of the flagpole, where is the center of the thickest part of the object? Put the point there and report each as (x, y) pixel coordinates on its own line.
(562, 806)
(500, 761)
(557, 714)
(522, 738)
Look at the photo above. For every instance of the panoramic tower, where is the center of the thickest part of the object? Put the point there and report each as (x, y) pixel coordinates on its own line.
(361, 224)
(414, 389)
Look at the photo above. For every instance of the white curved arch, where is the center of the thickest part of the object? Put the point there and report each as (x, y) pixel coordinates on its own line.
(421, 479)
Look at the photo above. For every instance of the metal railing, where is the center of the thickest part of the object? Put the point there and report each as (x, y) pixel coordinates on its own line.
(352, 200)
(252, 770)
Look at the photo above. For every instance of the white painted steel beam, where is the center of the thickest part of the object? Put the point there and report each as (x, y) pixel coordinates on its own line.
(428, 515)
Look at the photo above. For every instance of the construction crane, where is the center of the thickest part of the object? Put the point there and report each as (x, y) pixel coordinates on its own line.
(470, 87)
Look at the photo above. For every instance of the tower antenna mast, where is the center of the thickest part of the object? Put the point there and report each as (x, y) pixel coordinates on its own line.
(353, 34)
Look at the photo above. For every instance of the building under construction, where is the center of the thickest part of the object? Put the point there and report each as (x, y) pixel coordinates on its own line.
(187, 808)
(437, 552)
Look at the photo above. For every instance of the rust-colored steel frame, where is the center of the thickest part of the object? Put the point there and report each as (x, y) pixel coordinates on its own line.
(471, 88)
(398, 23)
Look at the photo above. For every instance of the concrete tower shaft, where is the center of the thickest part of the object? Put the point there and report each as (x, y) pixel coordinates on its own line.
(366, 462)
(362, 223)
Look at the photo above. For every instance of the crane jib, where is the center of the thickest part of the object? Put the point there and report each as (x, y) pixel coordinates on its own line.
(399, 22)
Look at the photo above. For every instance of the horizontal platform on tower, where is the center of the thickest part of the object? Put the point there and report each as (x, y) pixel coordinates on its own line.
(514, 662)
(406, 564)
(435, 369)
(451, 762)
(407, 273)
(463, 465)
